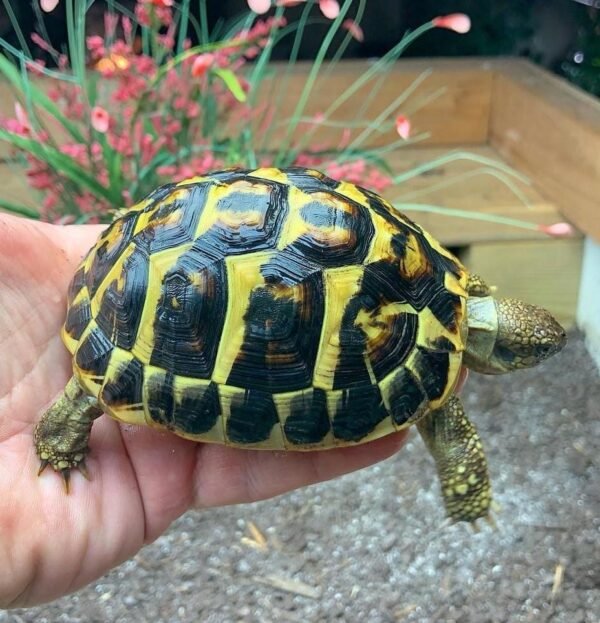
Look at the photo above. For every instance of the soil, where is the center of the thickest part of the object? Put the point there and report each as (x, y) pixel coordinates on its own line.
(373, 546)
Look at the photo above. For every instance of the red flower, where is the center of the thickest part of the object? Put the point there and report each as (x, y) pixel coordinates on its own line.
(48, 5)
(111, 64)
(458, 22)
(202, 63)
(259, 6)
(22, 117)
(95, 45)
(162, 10)
(100, 119)
(329, 8)
(557, 230)
(354, 29)
(403, 126)
(19, 125)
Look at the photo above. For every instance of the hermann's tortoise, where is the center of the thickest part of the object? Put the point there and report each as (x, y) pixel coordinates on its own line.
(281, 309)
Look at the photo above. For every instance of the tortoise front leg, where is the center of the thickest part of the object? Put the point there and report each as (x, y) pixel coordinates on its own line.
(477, 287)
(61, 436)
(460, 461)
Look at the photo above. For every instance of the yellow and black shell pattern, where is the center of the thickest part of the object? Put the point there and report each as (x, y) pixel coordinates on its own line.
(267, 308)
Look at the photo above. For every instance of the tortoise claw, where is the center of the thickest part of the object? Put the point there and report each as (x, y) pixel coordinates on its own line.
(64, 466)
(43, 464)
(83, 470)
(491, 521)
(66, 477)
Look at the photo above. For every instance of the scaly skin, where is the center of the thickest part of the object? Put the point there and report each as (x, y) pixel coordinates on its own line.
(519, 336)
(476, 286)
(61, 436)
(460, 461)
(527, 334)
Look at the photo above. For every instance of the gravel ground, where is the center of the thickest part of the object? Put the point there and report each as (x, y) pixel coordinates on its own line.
(372, 546)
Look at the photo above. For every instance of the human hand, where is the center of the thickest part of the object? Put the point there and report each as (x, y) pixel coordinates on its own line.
(141, 479)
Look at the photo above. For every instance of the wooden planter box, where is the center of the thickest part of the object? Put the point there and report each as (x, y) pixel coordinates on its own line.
(513, 112)
(508, 110)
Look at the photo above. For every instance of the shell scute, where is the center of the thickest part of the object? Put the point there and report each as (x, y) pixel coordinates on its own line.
(120, 304)
(93, 354)
(356, 412)
(241, 217)
(171, 220)
(306, 419)
(252, 416)
(196, 410)
(189, 316)
(405, 396)
(111, 244)
(280, 324)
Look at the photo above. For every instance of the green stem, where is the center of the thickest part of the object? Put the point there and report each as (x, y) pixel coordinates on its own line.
(75, 35)
(183, 25)
(311, 79)
(456, 179)
(380, 64)
(280, 86)
(204, 23)
(386, 112)
(59, 162)
(14, 22)
(261, 64)
(465, 214)
(347, 39)
(21, 210)
(454, 156)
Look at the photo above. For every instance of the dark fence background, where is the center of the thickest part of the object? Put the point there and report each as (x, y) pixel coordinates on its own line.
(563, 35)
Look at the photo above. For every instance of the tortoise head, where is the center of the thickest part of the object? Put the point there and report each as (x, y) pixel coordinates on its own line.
(507, 334)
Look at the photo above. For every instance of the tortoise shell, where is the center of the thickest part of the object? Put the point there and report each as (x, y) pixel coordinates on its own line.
(273, 308)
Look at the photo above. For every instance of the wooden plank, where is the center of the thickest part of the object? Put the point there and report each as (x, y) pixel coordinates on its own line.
(453, 185)
(551, 131)
(15, 188)
(543, 272)
(467, 185)
(459, 113)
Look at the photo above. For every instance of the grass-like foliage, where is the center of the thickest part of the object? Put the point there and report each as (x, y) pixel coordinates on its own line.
(114, 116)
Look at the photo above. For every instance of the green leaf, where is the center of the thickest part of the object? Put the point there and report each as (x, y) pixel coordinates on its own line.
(210, 117)
(232, 83)
(61, 163)
(18, 209)
(92, 88)
(113, 160)
(37, 96)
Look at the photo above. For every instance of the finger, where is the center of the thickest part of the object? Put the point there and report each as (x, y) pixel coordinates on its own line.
(76, 240)
(163, 464)
(232, 476)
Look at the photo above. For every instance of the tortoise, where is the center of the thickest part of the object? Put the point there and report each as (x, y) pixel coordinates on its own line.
(282, 309)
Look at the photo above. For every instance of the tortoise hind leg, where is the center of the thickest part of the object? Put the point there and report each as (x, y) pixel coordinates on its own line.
(61, 436)
(460, 461)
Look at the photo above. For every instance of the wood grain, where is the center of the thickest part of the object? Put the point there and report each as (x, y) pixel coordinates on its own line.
(543, 272)
(466, 185)
(550, 131)
(458, 113)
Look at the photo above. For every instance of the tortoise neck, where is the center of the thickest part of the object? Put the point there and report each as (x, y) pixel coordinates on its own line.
(482, 321)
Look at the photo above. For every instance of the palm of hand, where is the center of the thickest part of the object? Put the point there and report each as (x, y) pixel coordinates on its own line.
(142, 479)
